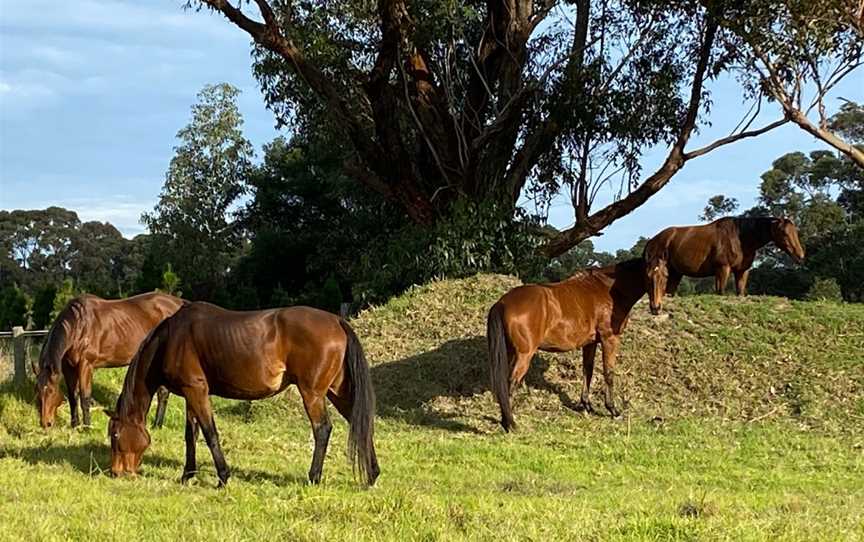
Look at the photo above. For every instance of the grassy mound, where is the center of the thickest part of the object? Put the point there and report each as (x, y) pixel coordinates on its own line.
(742, 421)
(735, 359)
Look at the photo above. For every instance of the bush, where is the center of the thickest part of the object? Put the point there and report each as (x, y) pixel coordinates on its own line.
(330, 296)
(65, 294)
(474, 238)
(824, 290)
(13, 308)
(43, 305)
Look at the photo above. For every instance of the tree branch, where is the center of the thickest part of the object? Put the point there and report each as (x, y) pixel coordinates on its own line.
(674, 162)
(733, 138)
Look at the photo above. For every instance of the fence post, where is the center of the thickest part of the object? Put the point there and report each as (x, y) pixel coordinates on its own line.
(20, 350)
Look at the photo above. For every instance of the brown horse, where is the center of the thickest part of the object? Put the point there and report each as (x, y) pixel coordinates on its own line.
(91, 333)
(725, 246)
(590, 307)
(206, 350)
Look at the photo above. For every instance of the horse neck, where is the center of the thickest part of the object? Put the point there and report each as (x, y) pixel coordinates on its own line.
(57, 344)
(135, 403)
(628, 285)
(140, 385)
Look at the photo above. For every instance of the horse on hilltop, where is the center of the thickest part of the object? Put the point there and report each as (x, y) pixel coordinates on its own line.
(205, 350)
(592, 307)
(91, 333)
(723, 247)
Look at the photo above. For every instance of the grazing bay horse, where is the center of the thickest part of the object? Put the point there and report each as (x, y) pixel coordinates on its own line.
(91, 333)
(725, 246)
(590, 308)
(205, 350)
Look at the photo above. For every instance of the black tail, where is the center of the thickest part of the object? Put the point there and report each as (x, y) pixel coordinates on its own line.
(361, 449)
(499, 364)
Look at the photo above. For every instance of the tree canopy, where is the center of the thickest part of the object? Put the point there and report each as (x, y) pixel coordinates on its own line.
(439, 102)
(192, 222)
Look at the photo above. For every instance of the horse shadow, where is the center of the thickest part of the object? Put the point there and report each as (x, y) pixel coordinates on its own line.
(404, 387)
(457, 369)
(94, 460)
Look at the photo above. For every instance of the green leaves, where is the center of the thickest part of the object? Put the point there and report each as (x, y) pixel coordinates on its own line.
(193, 219)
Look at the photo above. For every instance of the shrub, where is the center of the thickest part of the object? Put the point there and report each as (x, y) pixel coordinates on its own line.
(824, 290)
(13, 308)
(65, 294)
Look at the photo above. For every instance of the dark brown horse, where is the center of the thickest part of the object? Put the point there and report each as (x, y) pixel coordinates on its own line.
(91, 333)
(206, 350)
(590, 308)
(725, 246)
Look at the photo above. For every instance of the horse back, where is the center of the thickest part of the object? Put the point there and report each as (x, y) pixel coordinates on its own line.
(696, 250)
(109, 331)
(254, 354)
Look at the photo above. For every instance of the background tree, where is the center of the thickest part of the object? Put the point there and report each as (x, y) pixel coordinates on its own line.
(442, 102)
(43, 306)
(13, 308)
(191, 224)
(820, 191)
(65, 293)
(718, 206)
(794, 53)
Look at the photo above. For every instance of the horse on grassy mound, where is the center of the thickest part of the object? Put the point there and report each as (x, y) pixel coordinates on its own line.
(590, 308)
(91, 333)
(725, 246)
(206, 350)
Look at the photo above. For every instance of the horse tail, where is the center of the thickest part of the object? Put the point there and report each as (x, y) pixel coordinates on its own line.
(62, 335)
(361, 449)
(499, 364)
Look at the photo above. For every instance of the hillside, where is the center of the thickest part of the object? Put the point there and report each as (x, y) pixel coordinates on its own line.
(743, 420)
(736, 359)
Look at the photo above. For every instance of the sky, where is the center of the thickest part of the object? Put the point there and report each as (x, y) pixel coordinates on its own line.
(92, 94)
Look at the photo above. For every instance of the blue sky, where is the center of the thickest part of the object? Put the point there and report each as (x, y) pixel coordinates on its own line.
(93, 92)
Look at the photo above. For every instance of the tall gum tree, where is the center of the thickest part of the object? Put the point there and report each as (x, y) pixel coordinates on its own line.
(486, 100)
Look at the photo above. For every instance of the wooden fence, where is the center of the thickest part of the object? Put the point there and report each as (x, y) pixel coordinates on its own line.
(19, 346)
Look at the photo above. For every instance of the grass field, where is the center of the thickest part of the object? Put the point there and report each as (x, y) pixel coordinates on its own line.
(743, 420)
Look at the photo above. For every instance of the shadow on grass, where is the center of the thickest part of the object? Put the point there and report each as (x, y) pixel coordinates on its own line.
(92, 460)
(457, 369)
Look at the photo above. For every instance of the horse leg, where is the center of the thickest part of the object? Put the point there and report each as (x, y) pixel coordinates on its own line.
(70, 374)
(672, 282)
(85, 385)
(588, 353)
(343, 405)
(720, 278)
(520, 368)
(741, 282)
(199, 403)
(161, 404)
(191, 466)
(316, 409)
(610, 352)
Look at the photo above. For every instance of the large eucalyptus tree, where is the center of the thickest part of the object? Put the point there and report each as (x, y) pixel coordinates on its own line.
(442, 100)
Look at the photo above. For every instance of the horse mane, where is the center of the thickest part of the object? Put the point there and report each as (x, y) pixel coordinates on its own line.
(71, 320)
(753, 227)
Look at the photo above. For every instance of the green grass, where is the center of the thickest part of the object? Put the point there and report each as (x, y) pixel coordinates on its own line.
(743, 421)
